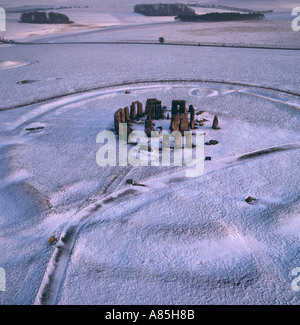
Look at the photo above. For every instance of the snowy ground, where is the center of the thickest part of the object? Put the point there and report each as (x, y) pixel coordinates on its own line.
(116, 21)
(176, 240)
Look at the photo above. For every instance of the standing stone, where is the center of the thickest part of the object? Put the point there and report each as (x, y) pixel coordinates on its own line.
(184, 123)
(150, 111)
(119, 118)
(215, 124)
(127, 116)
(139, 109)
(178, 107)
(182, 108)
(175, 123)
(158, 110)
(192, 117)
(150, 108)
(132, 112)
(148, 127)
(174, 110)
(154, 109)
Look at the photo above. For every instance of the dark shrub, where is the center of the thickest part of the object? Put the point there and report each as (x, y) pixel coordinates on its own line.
(161, 40)
(42, 18)
(34, 17)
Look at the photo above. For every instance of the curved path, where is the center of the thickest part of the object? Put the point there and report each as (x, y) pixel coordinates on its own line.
(145, 82)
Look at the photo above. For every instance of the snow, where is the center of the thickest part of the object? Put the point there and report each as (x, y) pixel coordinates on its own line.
(174, 240)
(11, 64)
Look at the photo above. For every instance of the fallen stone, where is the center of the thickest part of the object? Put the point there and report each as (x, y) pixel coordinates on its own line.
(250, 199)
(137, 184)
(202, 120)
(52, 240)
(212, 142)
(35, 129)
(24, 82)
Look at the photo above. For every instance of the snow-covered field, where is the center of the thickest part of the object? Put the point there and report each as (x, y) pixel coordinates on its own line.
(174, 240)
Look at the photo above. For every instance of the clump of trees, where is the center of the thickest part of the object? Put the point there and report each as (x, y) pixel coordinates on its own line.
(37, 17)
(220, 16)
(164, 9)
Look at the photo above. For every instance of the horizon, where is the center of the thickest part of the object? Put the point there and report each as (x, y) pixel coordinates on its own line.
(255, 4)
